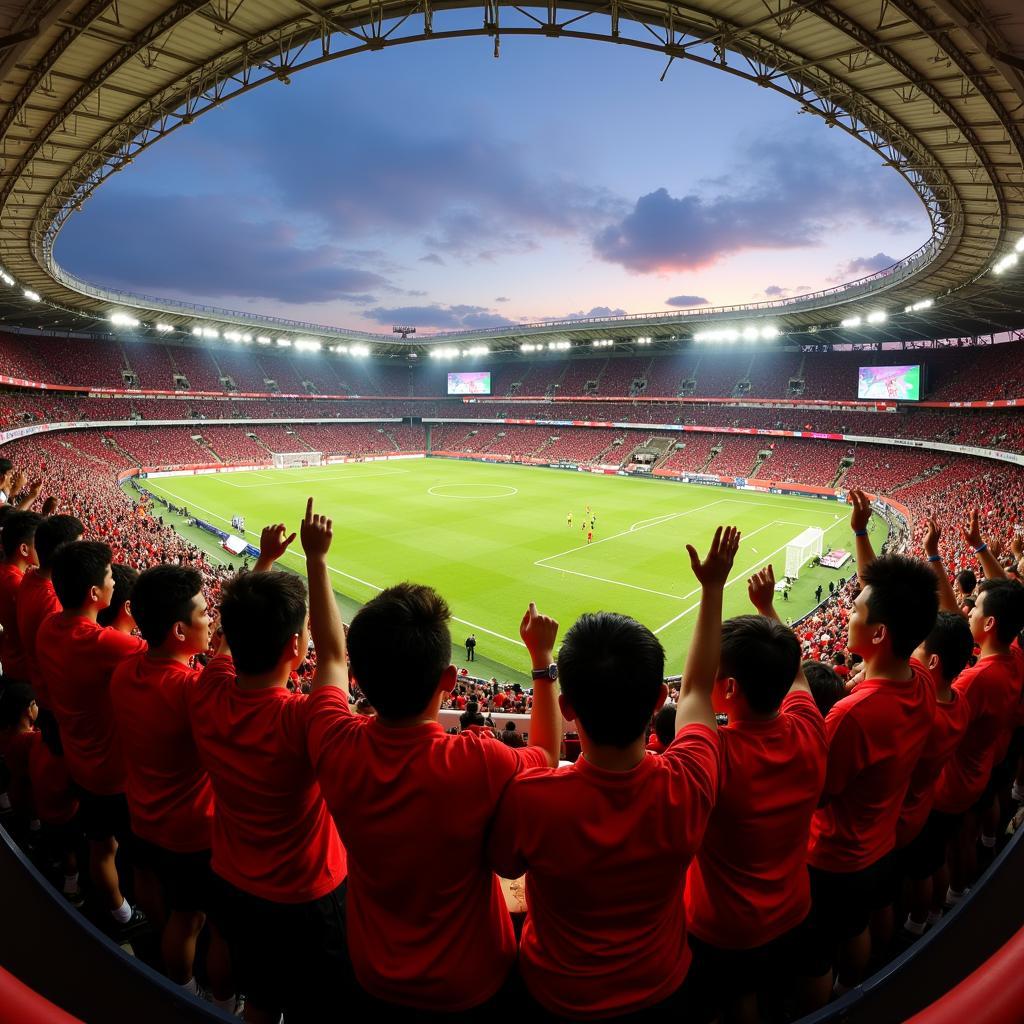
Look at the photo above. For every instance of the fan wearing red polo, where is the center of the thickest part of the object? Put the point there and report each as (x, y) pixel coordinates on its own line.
(413, 803)
(37, 600)
(605, 844)
(748, 895)
(876, 735)
(76, 657)
(274, 845)
(18, 542)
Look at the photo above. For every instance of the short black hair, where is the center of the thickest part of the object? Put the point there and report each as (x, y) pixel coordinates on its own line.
(951, 640)
(124, 586)
(260, 612)
(967, 581)
(904, 598)
(611, 669)
(826, 685)
(54, 532)
(410, 623)
(5, 466)
(15, 699)
(763, 656)
(77, 567)
(1003, 601)
(665, 724)
(19, 528)
(163, 596)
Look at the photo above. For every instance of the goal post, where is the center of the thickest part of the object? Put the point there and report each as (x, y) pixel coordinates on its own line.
(291, 460)
(800, 550)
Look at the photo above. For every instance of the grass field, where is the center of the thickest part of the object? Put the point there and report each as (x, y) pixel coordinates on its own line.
(491, 538)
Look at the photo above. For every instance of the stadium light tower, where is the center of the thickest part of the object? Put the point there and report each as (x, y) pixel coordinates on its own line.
(403, 331)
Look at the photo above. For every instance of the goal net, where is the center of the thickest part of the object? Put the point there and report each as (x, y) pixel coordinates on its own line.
(289, 460)
(802, 549)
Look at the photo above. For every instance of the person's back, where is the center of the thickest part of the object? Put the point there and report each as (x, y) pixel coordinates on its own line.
(605, 844)
(18, 545)
(749, 883)
(428, 925)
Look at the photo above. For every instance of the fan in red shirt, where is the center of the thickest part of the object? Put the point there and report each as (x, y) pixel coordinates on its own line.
(876, 736)
(76, 658)
(748, 895)
(18, 537)
(992, 690)
(37, 600)
(18, 710)
(169, 794)
(605, 844)
(921, 833)
(413, 804)
(275, 847)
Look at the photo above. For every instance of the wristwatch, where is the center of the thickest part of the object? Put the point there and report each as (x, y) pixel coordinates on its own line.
(551, 673)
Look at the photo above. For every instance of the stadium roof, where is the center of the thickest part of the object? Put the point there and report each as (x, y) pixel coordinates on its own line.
(935, 86)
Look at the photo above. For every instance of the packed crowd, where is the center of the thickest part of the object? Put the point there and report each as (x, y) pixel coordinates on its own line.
(282, 786)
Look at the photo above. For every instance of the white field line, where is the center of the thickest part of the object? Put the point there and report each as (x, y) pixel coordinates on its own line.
(736, 579)
(347, 575)
(633, 586)
(623, 533)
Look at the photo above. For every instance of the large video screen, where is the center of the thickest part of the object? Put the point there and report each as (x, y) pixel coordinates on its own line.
(475, 383)
(896, 382)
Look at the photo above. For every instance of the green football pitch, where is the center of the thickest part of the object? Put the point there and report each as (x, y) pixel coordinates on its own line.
(492, 538)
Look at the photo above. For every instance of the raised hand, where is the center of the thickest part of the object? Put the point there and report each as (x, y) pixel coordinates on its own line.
(1017, 547)
(714, 570)
(274, 543)
(761, 589)
(18, 483)
(539, 633)
(861, 512)
(972, 532)
(316, 533)
(932, 536)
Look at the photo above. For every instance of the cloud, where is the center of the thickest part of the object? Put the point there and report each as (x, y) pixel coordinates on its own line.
(775, 291)
(597, 312)
(432, 258)
(501, 298)
(437, 315)
(686, 300)
(792, 197)
(205, 246)
(863, 266)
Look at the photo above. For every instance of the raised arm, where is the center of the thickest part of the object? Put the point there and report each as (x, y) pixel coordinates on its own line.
(539, 633)
(29, 497)
(859, 518)
(701, 669)
(324, 618)
(932, 536)
(761, 591)
(273, 544)
(972, 535)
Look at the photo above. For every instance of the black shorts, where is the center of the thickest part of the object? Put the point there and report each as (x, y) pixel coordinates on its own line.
(104, 816)
(185, 878)
(290, 957)
(926, 852)
(844, 901)
(727, 973)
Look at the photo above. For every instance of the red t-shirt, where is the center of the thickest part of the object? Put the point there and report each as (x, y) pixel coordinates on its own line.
(272, 834)
(992, 689)
(169, 792)
(748, 883)
(948, 728)
(52, 790)
(876, 734)
(606, 855)
(427, 922)
(37, 601)
(11, 655)
(76, 658)
(15, 746)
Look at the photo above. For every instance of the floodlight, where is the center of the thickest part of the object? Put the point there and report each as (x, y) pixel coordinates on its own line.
(851, 321)
(123, 320)
(232, 336)
(262, 340)
(360, 350)
(877, 316)
(1019, 247)
(284, 342)
(31, 295)
(751, 334)
(197, 331)
(308, 345)
(209, 332)
(164, 328)
(6, 277)
(770, 332)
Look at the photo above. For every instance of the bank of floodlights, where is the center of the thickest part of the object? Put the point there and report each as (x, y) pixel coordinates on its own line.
(477, 350)
(559, 346)
(916, 307)
(731, 335)
(643, 341)
(359, 350)
(308, 345)
(31, 295)
(163, 328)
(123, 320)
(603, 343)
(445, 353)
